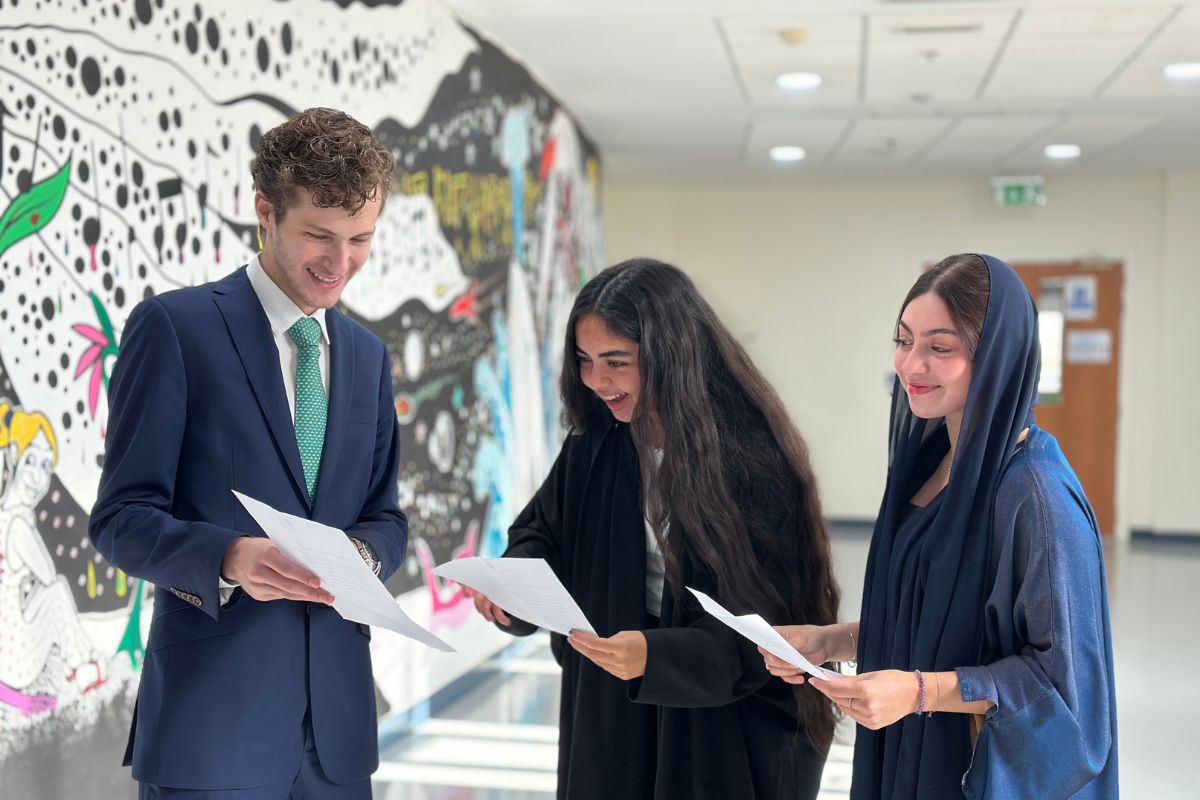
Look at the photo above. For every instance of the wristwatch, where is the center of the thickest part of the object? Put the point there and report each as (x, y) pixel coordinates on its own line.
(368, 555)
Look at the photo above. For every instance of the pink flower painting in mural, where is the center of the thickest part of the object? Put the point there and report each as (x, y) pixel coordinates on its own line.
(451, 603)
(95, 357)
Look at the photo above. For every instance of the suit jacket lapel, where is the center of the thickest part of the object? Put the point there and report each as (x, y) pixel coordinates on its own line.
(251, 334)
(341, 377)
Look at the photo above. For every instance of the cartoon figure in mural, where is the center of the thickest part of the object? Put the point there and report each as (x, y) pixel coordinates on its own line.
(46, 657)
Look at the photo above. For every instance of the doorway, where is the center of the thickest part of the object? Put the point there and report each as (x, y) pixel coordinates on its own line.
(1079, 319)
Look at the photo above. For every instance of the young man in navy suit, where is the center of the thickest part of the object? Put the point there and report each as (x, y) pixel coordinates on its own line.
(252, 686)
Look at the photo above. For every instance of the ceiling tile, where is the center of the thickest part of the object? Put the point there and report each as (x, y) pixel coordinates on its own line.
(828, 45)
(887, 142)
(1091, 20)
(1069, 52)
(932, 57)
(983, 140)
(1144, 78)
(1095, 134)
(817, 136)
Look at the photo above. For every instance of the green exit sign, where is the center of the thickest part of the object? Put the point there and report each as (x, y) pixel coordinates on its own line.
(1020, 190)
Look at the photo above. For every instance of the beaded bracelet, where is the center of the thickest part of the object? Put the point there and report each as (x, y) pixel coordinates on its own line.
(921, 694)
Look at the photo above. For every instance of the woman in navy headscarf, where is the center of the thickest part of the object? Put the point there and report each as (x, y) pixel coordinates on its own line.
(984, 648)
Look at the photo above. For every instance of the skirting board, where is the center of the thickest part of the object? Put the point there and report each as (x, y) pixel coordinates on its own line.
(1160, 537)
(854, 526)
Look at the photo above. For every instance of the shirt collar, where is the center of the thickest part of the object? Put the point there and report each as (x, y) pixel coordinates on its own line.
(282, 313)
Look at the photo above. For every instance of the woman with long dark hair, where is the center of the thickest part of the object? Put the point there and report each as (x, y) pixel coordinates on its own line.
(984, 647)
(681, 469)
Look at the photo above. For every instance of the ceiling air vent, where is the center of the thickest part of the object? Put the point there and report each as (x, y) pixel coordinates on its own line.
(936, 30)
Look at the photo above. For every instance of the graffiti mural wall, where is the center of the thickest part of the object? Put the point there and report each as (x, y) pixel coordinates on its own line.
(126, 134)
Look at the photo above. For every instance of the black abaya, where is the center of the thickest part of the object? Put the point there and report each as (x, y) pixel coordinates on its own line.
(706, 720)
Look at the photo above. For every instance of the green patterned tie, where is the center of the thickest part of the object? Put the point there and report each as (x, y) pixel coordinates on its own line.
(311, 404)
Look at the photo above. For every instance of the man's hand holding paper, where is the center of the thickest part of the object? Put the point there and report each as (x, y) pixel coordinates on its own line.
(358, 594)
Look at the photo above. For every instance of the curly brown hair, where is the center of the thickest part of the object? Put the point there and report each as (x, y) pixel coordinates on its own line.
(327, 153)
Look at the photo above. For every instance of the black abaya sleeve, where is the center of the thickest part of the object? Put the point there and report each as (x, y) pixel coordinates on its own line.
(537, 530)
(700, 665)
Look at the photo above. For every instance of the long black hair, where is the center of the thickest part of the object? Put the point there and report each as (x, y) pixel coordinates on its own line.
(723, 431)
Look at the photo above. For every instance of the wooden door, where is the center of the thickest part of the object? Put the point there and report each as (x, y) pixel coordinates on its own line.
(1079, 311)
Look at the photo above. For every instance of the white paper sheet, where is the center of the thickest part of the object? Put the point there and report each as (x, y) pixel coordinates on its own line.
(359, 595)
(759, 631)
(524, 587)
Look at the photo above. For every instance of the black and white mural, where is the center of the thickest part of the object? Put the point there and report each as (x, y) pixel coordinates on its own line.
(126, 133)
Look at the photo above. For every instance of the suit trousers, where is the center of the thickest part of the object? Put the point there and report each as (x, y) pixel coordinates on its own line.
(306, 783)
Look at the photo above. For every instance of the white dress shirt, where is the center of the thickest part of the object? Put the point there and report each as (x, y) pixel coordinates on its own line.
(282, 313)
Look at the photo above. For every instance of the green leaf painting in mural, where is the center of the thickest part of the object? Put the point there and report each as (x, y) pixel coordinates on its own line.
(131, 643)
(31, 210)
(106, 327)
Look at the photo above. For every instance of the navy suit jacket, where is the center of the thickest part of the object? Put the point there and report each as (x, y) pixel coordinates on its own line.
(198, 409)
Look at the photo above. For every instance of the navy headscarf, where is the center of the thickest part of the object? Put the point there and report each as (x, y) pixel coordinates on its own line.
(933, 620)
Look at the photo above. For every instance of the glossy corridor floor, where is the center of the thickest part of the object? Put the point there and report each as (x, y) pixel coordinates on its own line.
(497, 738)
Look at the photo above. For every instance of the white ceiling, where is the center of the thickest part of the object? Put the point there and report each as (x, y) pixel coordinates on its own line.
(676, 90)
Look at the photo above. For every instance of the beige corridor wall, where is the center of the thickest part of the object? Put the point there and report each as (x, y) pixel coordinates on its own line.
(1176, 464)
(810, 277)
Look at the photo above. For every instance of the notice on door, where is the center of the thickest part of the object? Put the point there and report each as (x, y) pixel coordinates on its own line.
(1080, 291)
(1089, 346)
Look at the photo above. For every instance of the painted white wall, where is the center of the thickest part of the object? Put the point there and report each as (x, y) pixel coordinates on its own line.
(810, 277)
(1176, 455)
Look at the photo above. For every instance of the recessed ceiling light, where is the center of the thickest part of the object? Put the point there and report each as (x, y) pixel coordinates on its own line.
(788, 153)
(1063, 151)
(798, 81)
(1182, 71)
